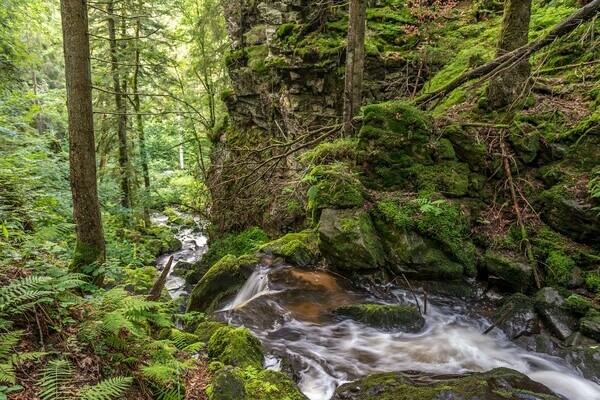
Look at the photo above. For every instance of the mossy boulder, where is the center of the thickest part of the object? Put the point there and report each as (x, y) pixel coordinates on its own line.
(191, 272)
(525, 141)
(470, 151)
(517, 316)
(590, 326)
(227, 384)
(507, 273)
(235, 346)
(402, 318)
(572, 218)
(333, 186)
(222, 280)
(497, 384)
(296, 248)
(549, 305)
(205, 330)
(348, 240)
(272, 385)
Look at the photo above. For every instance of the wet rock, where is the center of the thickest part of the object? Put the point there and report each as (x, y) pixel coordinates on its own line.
(508, 274)
(192, 273)
(171, 245)
(570, 217)
(296, 248)
(518, 316)
(222, 280)
(549, 305)
(497, 384)
(590, 326)
(402, 318)
(585, 359)
(228, 384)
(348, 240)
(235, 346)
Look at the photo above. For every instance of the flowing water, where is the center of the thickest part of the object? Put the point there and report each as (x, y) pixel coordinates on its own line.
(193, 247)
(289, 308)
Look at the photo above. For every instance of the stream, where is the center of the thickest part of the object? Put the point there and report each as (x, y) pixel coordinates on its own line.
(289, 309)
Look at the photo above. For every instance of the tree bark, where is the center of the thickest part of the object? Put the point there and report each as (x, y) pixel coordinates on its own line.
(568, 25)
(120, 107)
(510, 84)
(355, 62)
(90, 247)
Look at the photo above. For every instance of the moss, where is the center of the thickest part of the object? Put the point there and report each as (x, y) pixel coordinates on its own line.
(495, 384)
(559, 269)
(444, 150)
(238, 244)
(236, 347)
(297, 248)
(525, 140)
(590, 326)
(467, 149)
(592, 281)
(270, 385)
(227, 384)
(222, 280)
(329, 152)
(511, 274)
(577, 304)
(387, 317)
(140, 280)
(205, 330)
(333, 186)
(449, 178)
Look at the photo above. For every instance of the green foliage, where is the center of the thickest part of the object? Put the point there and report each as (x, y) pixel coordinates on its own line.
(56, 381)
(592, 281)
(577, 304)
(108, 389)
(560, 267)
(236, 244)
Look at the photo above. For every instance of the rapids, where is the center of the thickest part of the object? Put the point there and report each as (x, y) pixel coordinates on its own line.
(288, 308)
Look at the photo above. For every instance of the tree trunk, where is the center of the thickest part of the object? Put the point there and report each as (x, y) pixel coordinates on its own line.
(90, 246)
(121, 108)
(355, 62)
(510, 84)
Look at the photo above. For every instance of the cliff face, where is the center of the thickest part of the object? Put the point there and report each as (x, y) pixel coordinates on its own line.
(287, 71)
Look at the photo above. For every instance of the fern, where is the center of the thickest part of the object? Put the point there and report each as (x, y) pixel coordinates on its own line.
(55, 382)
(108, 389)
(7, 342)
(171, 394)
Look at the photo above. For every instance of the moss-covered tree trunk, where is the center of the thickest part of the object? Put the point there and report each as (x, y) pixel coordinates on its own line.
(510, 84)
(90, 247)
(355, 62)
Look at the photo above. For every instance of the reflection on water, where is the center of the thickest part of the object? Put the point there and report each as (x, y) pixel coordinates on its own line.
(288, 309)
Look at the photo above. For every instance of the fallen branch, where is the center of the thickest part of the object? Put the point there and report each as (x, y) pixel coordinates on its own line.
(160, 283)
(566, 26)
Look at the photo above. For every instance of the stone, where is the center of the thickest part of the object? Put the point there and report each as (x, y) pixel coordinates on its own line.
(508, 274)
(205, 330)
(590, 326)
(348, 240)
(236, 347)
(299, 249)
(403, 318)
(549, 306)
(497, 384)
(518, 316)
(228, 384)
(465, 148)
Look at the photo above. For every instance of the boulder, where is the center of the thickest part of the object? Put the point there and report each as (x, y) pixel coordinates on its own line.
(590, 326)
(402, 318)
(497, 384)
(465, 148)
(235, 346)
(300, 249)
(348, 240)
(549, 305)
(227, 384)
(508, 274)
(222, 280)
(518, 316)
(205, 330)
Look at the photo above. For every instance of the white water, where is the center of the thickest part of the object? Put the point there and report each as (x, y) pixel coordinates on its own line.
(326, 352)
(193, 247)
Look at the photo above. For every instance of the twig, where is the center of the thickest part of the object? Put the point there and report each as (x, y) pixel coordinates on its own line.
(160, 283)
(500, 319)
(413, 293)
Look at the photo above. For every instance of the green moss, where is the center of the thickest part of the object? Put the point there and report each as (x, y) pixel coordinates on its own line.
(590, 326)
(297, 248)
(388, 317)
(592, 281)
(449, 178)
(140, 280)
(330, 152)
(270, 385)
(332, 186)
(513, 274)
(222, 280)
(559, 268)
(236, 244)
(236, 347)
(205, 330)
(577, 304)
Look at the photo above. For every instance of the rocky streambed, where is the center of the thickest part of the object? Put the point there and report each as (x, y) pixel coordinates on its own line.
(342, 339)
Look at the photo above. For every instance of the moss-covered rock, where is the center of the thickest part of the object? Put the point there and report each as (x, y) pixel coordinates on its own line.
(205, 330)
(497, 384)
(236, 244)
(577, 305)
(272, 385)
(507, 273)
(517, 316)
(296, 248)
(333, 186)
(235, 346)
(348, 240)
(222, 280)
(402, 318)
(549, 305)
(467, 150)
(525, 140)
(590, 326)
(227, 384)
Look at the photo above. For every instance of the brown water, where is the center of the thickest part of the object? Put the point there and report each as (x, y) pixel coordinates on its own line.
(289, 310)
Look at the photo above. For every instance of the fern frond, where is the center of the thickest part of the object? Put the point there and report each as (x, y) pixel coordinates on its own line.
(182, 339)
(108, 389)
(194, 348)
(54, 383)
(172, 394)
(20, 358)
(114, 321)
(7, 373)
(160, 374)
(7, 342)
